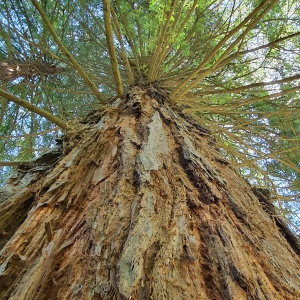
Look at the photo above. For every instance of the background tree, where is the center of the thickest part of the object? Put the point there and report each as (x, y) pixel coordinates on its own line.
(233, 65)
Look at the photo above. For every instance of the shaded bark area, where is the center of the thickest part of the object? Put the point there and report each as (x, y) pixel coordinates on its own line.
(17, 197)
(263, 195)
(10, 69)
(142, 206)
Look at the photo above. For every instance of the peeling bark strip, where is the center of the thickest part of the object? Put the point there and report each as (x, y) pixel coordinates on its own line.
(140, 205)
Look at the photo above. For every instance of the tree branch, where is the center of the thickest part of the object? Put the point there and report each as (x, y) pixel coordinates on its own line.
(59, 122)
(247, 87)
(111, 47)
(161, 43)
(12, 163)
(68, 54)
(182, 89)
(123, 51)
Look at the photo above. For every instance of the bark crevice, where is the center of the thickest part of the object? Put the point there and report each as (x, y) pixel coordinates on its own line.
(140, 205)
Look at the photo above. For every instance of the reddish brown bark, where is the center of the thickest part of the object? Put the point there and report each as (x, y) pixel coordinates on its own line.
(141, 205)
(10, 70)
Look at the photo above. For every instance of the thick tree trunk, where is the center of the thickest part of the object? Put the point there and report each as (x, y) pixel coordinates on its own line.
(140, 205)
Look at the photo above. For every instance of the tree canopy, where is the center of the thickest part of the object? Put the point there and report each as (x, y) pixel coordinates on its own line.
(234, 65)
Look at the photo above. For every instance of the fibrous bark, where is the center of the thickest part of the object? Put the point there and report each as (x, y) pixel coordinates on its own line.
(141, 205)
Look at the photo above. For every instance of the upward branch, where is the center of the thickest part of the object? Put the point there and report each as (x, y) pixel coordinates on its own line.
(111, 47)
(251, 17)
(123, 50)
(208, 71)
(161, 43)
(247, 87)
(68, 54)
(33, 108)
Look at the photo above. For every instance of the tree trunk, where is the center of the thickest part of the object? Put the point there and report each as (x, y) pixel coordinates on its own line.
(140, 205)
